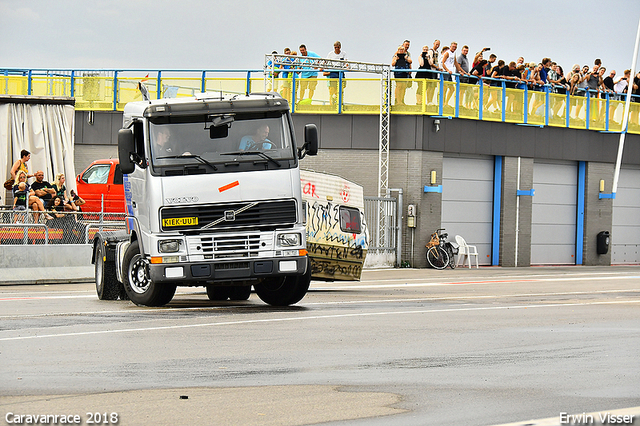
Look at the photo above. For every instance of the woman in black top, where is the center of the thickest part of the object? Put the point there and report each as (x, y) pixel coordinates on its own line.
(401, 61)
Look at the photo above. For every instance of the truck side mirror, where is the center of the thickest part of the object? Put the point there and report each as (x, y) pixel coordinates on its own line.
(126, 148)
(310, 146)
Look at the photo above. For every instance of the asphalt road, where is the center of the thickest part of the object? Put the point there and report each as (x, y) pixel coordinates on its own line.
(402, 347)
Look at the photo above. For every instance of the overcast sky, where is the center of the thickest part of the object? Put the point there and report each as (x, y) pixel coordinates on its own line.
(235, 34)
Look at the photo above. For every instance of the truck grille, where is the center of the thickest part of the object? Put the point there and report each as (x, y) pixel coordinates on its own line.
(222, 247)
(262, 214)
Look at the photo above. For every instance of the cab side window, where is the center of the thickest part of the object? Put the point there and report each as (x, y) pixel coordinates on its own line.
(350, 220)
(97, 174)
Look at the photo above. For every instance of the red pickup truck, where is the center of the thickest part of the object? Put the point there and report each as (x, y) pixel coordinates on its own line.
(102, 180)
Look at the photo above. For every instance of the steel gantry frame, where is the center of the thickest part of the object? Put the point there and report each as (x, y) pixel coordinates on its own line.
(273, 61)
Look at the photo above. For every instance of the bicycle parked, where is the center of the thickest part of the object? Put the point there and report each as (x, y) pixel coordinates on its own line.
(440, 252)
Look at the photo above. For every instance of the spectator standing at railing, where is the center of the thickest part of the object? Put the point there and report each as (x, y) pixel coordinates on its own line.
(449, 66)
(552, 76)
(489, 66)
(432, 56)
(400, 62)
(21, 164)
(608, 81)
(287, 76)
(309, 76)
(635, 98)
(423, 64)
(512, 74)
(406, 45)
(620, 85)
(448, 61)
(575, 79)
(338, 55)
(594, 81)
(462, 67)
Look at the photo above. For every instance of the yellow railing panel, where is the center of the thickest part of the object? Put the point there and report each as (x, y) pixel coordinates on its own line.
(536, 107)
(361, 96)
(51, 86)
(634, 117)
(557, 110)
(492, 103)
(578, 112)
(230, 86)
(180, 87)
(597, 113)
(514, 106)
(94, 93)
(14, 85)
(469, 101)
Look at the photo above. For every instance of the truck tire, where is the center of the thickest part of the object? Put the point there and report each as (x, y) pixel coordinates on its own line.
(218, 293)
(107, 286)
(284, 291)
(241, 292)
(140, 289)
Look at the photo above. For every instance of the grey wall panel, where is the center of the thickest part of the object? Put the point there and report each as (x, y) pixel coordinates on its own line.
(553, 216)
(467, 202)
(625, 232)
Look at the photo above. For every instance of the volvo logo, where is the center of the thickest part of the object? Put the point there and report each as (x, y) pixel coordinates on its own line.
(181, 200)
(229, 215)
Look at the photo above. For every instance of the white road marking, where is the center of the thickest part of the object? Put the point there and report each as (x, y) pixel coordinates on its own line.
(313, 317)
(168, 309)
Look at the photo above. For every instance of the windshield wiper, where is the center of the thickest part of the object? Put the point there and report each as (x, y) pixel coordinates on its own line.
(196, 156)
(259, 153)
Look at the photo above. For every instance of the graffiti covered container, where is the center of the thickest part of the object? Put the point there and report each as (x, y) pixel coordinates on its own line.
(337, 237)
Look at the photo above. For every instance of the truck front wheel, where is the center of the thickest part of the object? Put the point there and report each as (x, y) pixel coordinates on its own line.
(139, 287)
(284, 291)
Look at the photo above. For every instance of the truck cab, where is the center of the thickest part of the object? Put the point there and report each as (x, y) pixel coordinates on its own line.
(213, 198)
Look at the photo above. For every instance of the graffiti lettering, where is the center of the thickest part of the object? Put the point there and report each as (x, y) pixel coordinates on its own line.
(335, 252)
(323, 225)
(319, 267)
(310, 189)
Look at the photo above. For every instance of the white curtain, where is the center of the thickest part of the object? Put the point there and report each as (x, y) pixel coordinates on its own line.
(47, 131)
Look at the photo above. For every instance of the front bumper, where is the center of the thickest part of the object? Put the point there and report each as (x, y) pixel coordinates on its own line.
(238, 270)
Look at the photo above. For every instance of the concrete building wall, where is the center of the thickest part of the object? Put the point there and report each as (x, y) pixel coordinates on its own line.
(598, 213)
(349, 148)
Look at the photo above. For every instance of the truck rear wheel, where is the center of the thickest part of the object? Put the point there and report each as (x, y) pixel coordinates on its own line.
(284, 291)
(241, 292)
(107, 286)
(139, 287)
(218, 293)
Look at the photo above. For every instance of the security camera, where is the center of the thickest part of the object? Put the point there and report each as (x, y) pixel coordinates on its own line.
(436, 125)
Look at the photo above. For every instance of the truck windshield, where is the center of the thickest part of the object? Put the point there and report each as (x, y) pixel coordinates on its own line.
(189, 145)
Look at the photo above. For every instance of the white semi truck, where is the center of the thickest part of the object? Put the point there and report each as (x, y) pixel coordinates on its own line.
(213, 198)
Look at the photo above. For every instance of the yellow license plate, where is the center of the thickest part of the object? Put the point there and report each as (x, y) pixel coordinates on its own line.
(180, 221)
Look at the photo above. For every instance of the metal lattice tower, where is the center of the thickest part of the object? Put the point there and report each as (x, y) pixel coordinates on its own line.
(271, 61)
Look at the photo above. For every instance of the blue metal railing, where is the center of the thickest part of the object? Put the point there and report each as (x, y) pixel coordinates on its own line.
(63, 82)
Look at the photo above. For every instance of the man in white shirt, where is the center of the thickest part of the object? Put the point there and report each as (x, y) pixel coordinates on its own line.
(338, 55)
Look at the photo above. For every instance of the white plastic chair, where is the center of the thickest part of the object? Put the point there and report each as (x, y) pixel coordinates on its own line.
(466, 250)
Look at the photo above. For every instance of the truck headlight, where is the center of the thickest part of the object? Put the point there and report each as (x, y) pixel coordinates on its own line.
(288, 240)
(168, 246)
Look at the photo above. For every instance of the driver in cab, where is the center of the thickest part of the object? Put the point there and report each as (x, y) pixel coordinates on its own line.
(258, 141)
(164, 146)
